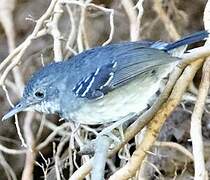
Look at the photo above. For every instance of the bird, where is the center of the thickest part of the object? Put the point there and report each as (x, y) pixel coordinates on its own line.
(103, 84)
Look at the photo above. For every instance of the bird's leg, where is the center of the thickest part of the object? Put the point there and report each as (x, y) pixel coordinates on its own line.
(90, 147)
(118, 124)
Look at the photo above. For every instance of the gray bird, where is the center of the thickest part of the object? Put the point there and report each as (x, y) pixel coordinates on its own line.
(103, 84)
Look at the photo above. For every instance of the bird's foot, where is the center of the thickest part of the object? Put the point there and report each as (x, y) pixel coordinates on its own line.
(108, 131)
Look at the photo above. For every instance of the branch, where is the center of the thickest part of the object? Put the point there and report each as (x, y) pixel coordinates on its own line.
(175, 146)
(81, 26)
(11, 151)
(18, 52)
(6, 18)
(8, 170)
(57, 157)
(133, 17)
(196, 129)
(30, 154)
(196, 118)
(169, 25)
(100, 157)
(54, 31)
(51, 136)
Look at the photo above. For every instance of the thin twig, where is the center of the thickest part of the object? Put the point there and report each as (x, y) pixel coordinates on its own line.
(16, 118)
(51, 136)
(17, 54)
(11, 151)
(176, 146)
(8, 170)
(57, 156)
(83, 6)
(6, 18)
(196, 128)
(169, 25)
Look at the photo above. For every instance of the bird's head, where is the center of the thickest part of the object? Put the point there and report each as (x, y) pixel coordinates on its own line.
(42, 91)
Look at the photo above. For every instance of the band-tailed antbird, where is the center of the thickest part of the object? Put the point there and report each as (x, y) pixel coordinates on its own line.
(103, 84)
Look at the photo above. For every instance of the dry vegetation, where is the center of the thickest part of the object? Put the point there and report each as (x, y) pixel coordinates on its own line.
(36, 146)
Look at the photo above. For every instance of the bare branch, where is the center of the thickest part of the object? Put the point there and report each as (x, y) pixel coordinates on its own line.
(196, 127)
(195, 131)
(20, 50)
(8, 170)
(134, 17)
(101, 150)
(169, 25)
(175, 146)
(30, 154)
(56, 34)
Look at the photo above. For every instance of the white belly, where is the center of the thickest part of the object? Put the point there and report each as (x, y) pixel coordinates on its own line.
(117, 104)
(121, 102)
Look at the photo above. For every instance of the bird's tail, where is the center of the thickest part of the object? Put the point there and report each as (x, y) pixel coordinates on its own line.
(195, 37)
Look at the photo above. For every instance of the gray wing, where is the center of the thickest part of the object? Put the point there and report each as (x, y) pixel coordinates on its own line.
(138, 62)
(122, 67)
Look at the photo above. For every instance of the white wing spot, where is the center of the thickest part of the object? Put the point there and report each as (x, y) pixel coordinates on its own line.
(115, 64)
(88, 88)
(80, 87)
(108, 81)
(86, 80)
(97, 71)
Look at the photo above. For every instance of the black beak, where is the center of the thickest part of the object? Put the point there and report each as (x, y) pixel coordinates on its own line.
(21, 106)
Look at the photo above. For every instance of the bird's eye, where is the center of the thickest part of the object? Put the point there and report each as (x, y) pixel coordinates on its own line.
(39, 94)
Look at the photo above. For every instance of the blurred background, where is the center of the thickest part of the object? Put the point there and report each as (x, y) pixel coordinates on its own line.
(185, 16)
